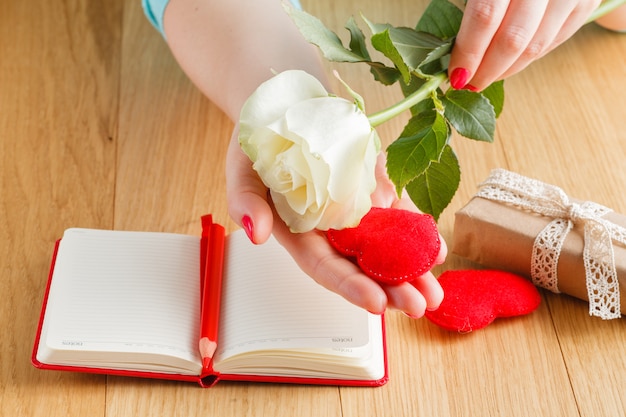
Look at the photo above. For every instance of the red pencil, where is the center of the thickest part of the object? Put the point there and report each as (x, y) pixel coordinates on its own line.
(211, 290)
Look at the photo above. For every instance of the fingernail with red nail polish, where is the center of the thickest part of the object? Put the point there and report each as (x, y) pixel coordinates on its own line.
(459, 78)
(246, 222)
(412, 316)
(472, 88)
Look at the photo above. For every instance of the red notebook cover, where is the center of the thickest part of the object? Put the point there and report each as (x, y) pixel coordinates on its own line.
(212, 249)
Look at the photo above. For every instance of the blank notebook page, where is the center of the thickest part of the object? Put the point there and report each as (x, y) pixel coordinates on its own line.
(269, 303)
(125, 291)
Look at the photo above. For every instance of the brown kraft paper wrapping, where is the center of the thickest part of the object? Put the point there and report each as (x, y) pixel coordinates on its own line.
(500, 236)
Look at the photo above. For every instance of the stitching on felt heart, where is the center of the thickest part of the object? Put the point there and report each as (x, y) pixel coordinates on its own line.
(360, 260)
(498, 294)
(368, 269)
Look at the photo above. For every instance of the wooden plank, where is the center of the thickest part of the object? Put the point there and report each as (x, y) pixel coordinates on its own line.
(58, 114)
(578, 144)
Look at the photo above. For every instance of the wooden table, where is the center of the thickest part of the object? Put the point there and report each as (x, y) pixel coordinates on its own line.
(100, 128)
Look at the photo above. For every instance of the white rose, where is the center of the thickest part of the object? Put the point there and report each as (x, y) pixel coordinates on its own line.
(315, 152)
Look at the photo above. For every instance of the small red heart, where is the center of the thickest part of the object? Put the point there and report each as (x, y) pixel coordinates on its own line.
(475, 298)
(390, 245)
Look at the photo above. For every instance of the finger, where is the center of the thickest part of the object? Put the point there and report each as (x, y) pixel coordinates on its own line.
(405, 203)
(385, 193)
(443, 251)
(246, 194)
(519, 26)
(481, 20)
(406, 298)
(430, 288)
(576, 19)
(558, 25)
(327, 267)
(541, 44)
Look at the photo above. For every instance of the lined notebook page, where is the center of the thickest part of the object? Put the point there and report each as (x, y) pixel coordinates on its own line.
(269, 303)
(125, 292)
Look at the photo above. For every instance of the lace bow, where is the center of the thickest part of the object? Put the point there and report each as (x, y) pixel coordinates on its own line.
(601, 276)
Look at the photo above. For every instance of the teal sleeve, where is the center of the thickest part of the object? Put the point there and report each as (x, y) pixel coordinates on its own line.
(296, 4)
(154, 10)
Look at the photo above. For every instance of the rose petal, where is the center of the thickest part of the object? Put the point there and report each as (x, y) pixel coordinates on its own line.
(271, 100)
(335, 129)
(298, 223)
(317, 154)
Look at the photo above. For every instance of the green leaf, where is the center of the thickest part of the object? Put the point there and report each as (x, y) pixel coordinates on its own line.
(329, 43)
(376, 27)
(437, 53)
(417, 48)
(441, 18)
(407, 48)
(384, 74)
(382, 42)
(421, 142)
(471, 114)
(412, 86)
(434, 189)
(495, 95)
(357, 39)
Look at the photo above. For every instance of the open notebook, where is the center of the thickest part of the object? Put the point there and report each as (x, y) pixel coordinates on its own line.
(130, 303)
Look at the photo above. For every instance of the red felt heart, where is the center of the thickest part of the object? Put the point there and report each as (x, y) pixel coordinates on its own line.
(475, 298)
(390, 245)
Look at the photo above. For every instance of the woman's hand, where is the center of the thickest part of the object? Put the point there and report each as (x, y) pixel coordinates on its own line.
(499, 38)
(250, 207)
(202, 36)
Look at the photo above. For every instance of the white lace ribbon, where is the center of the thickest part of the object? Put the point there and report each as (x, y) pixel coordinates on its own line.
(548, 200)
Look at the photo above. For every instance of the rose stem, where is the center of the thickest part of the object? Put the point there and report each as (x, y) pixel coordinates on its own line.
(605, 8)
(409, 101)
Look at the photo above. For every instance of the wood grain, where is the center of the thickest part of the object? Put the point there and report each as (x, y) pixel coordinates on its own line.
(100, 128)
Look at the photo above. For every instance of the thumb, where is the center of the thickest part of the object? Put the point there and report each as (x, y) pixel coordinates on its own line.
(246, 194)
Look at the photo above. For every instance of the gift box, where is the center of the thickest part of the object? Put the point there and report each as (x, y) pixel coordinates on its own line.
(519, 224)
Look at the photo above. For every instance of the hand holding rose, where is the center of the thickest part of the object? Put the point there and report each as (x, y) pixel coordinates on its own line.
(204, 51)
(248, 196)
(318, 155)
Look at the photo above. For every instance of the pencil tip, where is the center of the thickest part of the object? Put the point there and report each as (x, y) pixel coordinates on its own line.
(206, 362)
(207, 350)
